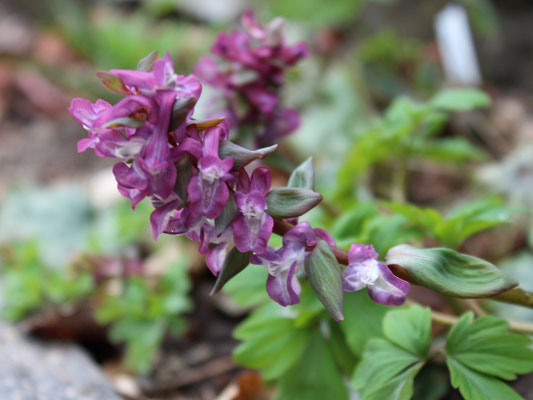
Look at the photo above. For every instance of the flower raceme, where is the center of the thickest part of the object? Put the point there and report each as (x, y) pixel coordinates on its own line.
(249, 70)
(201, 186)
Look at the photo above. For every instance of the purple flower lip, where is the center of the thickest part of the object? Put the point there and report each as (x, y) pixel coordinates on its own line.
(364, 270)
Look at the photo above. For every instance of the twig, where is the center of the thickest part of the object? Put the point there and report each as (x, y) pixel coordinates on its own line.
(210, 370)
(449, 320)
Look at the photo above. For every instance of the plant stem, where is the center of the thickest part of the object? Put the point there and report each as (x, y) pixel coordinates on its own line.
(513, 296)
(446, 319)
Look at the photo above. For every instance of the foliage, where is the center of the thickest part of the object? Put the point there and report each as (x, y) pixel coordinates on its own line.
(407, 132)
(140, 314)
(459, 224)
(29, 285)
(481, 351)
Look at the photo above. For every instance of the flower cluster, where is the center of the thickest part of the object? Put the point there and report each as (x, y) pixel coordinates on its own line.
(199, 184)
(250, 72)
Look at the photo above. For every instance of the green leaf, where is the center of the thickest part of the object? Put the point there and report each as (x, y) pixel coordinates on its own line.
(248, 288)
(235, 262)
(363, 320)
(476, 386)
(460, 99)
(449, 272)
(270, 342)
(314, 376)
(147, 63)
(410, 329)
(486, 346)
(326, 278)
(242, 156)
(351, 223)
(386, 372)
(425, 217)
(388, 367)
(303, 176)
(288, 202)
(344, 356)
(449, 150)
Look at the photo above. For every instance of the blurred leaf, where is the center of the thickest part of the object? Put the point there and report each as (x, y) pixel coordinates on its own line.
(450, 150)
(314, 376)
(248, 287)
(351, 223)
(363, 320)
(303, 176)
(270, 341)
(460, 99)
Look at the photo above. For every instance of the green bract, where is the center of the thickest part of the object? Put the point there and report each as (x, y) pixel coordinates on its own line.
(235, 262)
(286, 202)
(303, 176)
(326, 278)
(449, 272)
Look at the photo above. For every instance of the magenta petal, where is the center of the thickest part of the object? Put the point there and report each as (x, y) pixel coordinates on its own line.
(87, 113)
(285, 288)
(216, 257)
(207, 198)
(86, 143)
(261, 180)
(325, 235)
(253, 26)
(160, 217)
(130, 177)
(360, 252)
(301, 233)
(388, 288)
(252, 234)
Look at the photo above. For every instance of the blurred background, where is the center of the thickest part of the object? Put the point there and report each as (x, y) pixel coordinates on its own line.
(79, 269)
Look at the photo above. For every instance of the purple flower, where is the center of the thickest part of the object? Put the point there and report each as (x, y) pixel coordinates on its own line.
(216, 256)
(282, 285)
(161, 215)
(208, 190)
(253, 227)
(161, 78)
(252, 68)
(364, 270)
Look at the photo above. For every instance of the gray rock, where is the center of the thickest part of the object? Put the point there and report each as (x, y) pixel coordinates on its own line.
(33, 370)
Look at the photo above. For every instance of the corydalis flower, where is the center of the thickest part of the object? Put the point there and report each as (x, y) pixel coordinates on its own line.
(364, 270)
(251, 68)
(282, 285)
(253, 226)
(208, 191)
